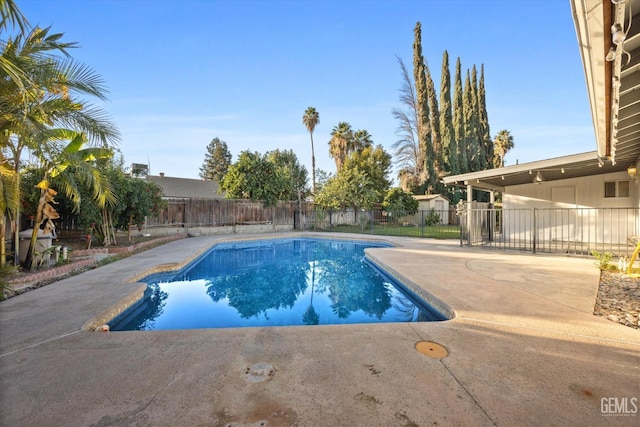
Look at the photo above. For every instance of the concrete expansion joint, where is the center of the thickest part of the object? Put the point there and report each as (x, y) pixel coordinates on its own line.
(493, 422)
(39, 343)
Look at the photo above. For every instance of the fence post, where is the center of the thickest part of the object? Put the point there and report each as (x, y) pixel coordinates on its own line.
(371, 214)
(535, 229)
(490, 220)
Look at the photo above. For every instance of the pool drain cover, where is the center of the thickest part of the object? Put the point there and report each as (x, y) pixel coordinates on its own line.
(259, 372)
(431, 349)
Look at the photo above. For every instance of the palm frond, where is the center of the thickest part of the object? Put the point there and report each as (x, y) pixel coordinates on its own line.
(11, 15)
(81, 79)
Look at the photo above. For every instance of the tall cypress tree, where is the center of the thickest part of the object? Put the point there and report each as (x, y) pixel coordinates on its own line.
(458, 120)
(476, 134)
(436, 144)
(468, 117)
(423, 125)
(447, 134)
(487, 142)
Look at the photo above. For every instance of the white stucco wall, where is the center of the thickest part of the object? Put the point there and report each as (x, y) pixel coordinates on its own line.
(571, 210)
(589, 193)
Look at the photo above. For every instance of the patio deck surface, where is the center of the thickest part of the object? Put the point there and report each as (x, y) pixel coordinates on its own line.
(523, 349)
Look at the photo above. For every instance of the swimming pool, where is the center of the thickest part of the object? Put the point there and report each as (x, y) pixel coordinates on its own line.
(275, 282)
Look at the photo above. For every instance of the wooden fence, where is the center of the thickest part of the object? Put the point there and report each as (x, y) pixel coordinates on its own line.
(194, 212)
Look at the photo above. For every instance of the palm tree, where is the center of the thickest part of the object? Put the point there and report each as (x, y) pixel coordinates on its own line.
(341, 143)
(11, 15)
(502, 143)
(48, 101)
(310, 119)
(362, 139)
(69, 168)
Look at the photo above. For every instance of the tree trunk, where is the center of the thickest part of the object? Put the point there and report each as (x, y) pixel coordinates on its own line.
(29, 260)
(108, 225)
(313, 167)
(105, 226)
(3, 251)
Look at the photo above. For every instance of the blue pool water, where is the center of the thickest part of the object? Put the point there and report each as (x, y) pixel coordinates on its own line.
(275, 283)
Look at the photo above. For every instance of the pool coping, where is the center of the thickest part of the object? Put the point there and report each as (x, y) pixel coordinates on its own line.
(523, 349)
(127, 304)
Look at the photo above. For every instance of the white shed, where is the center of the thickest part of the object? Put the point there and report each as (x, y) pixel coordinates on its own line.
(438, 202)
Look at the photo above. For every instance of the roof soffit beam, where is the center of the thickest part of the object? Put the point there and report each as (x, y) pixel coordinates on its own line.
(484, 186)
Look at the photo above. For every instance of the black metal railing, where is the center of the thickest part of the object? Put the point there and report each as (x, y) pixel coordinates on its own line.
(576, 231)
(439, 224)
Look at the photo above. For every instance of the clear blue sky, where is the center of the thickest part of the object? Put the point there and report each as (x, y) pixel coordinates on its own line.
(180, 73)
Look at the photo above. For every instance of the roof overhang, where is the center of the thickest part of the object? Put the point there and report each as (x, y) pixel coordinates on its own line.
(566, 167)
(613, 84)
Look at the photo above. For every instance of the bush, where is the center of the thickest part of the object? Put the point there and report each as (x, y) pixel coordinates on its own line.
(432, 218)
(603, 259)
(6, 272)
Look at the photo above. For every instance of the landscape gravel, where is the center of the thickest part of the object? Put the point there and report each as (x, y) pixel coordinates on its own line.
(618, 298)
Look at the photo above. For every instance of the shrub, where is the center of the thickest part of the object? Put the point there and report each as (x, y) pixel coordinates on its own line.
(603, 259)
(432, 218)
(6, 272)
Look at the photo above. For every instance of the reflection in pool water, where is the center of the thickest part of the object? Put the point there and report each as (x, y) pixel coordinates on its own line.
(274, 283)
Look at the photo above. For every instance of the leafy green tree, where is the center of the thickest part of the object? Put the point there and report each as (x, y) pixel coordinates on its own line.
(216, 161)
(323, 177)
(341, 143)
(143, 199)
(376, 163)
(275, 176)
(291, 176)
(502, 144)
(250, 177)
(398, 200)
(349, 188)
(311, 119)
(137, 199)
(361, 182)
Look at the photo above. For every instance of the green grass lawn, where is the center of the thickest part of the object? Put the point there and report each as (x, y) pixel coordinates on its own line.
(437, 231)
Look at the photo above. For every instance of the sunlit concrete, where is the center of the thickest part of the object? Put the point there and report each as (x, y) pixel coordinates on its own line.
(523, 349)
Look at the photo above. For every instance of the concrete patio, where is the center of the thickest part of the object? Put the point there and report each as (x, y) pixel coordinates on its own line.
(523, 349)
